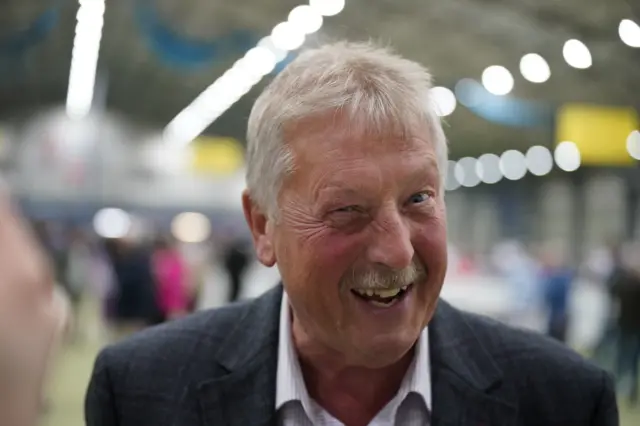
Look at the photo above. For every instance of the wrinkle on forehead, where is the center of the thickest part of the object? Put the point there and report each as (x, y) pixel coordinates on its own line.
(338, 125)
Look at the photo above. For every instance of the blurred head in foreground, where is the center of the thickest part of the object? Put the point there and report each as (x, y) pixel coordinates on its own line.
(346, 158)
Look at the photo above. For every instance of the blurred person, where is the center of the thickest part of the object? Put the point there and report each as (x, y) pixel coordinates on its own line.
(236, 262)
(32, 319)
(521, 272)
(626, 290)
(102, 292)
(345, 167)
(78, 276)
(135, 299)
(557, 278)
(170, 272)
(111, 287)
(197, 260)
(611, 271)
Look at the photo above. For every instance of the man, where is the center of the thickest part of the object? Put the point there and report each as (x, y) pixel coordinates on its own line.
(346, 159)
(32, 319)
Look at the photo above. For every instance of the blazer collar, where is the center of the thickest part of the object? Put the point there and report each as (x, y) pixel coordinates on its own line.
(467, 383)
(244, 394)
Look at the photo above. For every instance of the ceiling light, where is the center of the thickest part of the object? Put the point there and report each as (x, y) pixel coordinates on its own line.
(327, 7)
(488, 168)
(534, 68)
(577, 54)
(306, 19)
(267, 43)
(84, 58)
(513, 165)
(112, 223)
(259, 59)
(287, 36)
(629, 33)
(497, 80)
(539, 160)
(567, 156)
(633, 144)
(238, 80)
(443, 99)
(466, 172)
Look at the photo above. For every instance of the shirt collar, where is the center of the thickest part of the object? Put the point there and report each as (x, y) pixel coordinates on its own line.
(290, 384)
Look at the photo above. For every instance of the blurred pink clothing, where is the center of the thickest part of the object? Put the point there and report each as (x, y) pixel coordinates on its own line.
(170, 273)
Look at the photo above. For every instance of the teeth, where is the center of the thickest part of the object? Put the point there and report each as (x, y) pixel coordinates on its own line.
(387, 293)
(381, 293)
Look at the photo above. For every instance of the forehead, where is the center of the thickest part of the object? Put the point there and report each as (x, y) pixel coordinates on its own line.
(330, 139)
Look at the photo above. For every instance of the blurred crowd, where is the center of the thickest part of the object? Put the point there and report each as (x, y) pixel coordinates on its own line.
(541, 282)
(136, 282)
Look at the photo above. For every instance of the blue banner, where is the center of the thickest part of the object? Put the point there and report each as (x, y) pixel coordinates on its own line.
(16, 43)
(180, 51)
(504, 110)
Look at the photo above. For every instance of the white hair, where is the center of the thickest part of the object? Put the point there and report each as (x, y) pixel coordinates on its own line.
(378, 90)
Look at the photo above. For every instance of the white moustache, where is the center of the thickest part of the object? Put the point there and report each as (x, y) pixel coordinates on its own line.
(386, 280)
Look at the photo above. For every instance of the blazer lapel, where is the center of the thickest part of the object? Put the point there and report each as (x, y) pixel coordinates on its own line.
(245, 393)
(467, 384)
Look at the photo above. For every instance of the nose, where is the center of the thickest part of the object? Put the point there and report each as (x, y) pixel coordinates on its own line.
(390, 243)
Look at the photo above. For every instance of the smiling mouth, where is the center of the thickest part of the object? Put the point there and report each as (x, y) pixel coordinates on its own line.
(382, 298)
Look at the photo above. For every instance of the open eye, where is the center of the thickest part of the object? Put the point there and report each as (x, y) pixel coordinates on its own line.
(420, 197)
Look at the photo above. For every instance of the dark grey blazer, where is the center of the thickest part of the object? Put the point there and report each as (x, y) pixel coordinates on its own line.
(218, 368)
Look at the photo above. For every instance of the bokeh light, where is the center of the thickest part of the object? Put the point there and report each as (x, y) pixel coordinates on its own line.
(567, 156)
(488, 168)
(112, 223)
(444, 100)
(497, 80)
(539, 160)
(513, 165)
(577, 54)
(191, 227)
(534, 68)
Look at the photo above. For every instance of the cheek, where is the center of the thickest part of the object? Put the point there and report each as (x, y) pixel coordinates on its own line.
(320, 243)
(332, 256)
(318, 265)
(430, 241)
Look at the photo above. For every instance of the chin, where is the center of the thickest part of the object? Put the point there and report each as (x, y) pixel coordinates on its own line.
(384, 351)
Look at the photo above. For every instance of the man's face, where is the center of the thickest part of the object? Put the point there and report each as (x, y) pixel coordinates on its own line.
(360, 241)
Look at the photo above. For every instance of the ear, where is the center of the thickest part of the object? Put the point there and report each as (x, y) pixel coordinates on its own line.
(260, 230)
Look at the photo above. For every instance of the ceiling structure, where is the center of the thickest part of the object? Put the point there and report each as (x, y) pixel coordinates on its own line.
(455, 39)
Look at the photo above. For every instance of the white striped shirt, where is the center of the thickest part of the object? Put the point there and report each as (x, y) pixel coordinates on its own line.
(410, 406)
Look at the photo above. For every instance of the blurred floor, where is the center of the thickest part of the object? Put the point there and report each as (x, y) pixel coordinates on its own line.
(73, 367)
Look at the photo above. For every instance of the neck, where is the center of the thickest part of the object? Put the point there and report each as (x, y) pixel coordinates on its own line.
(352, 394)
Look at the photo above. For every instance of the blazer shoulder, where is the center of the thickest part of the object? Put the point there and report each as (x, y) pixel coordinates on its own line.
(546, 375)
(530, 352)
(174, 342)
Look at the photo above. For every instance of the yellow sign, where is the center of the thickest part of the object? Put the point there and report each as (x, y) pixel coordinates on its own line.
(600, 132)
(217, 156)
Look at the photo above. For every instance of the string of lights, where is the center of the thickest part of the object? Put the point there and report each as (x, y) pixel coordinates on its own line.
(249, 70)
